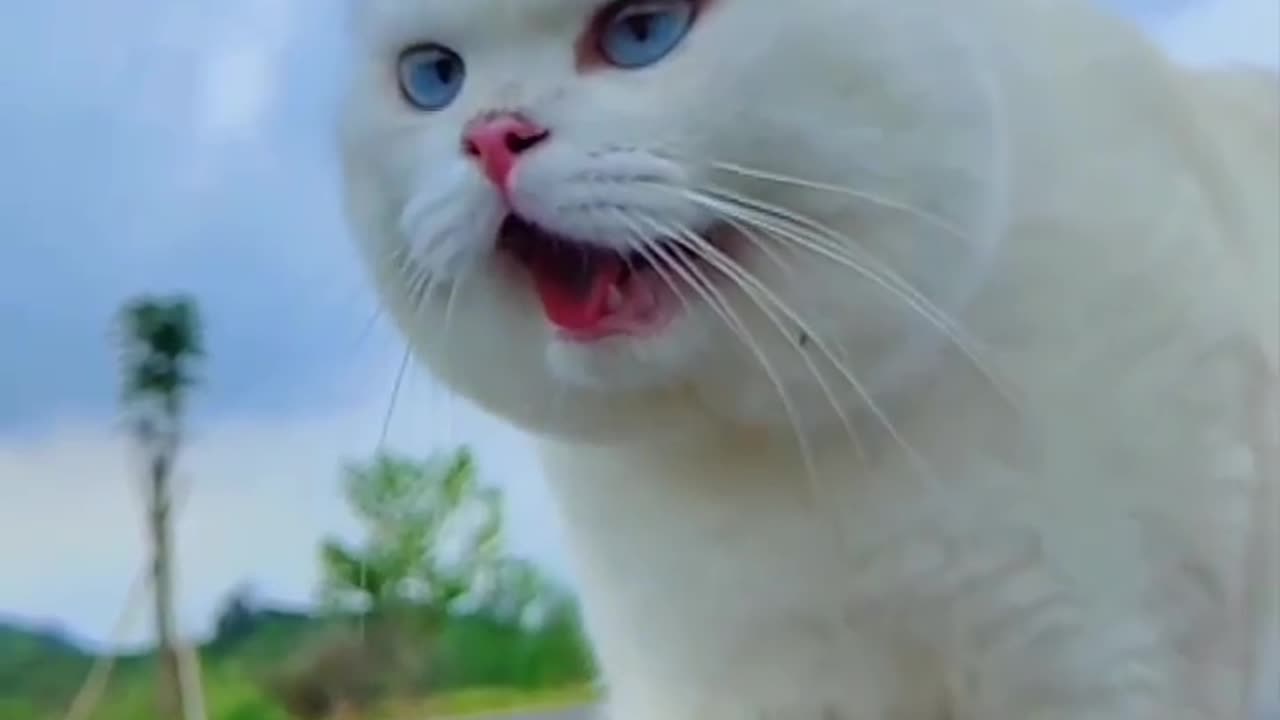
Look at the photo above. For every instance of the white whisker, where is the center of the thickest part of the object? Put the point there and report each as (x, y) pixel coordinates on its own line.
(391, 405)
(791, 228)
(692, 237)
(644, 247)
(817, 489)
(872, 198)
(455, 289)
(717, 302)
(734, 271)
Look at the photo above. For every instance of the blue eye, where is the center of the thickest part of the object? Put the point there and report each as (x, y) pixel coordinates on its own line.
(430, 76)
(642, 33)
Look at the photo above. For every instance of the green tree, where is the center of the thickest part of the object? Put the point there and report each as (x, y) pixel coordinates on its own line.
(161, 345)
(432, 530)
(521, 593)
(436, 586)
(237, 618)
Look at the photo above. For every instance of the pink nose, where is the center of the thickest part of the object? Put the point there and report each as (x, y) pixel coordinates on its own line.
(498, 141)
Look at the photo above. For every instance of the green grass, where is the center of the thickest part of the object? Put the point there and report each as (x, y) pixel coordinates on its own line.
(487, 702)
(479, 667)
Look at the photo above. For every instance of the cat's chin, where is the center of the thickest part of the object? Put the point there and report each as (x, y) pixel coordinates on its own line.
(623, 363)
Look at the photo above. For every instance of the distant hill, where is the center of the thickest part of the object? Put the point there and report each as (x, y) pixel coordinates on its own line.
(38, 665)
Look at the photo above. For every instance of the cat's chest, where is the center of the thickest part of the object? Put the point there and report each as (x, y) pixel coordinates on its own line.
(839, 595)
(778, 595)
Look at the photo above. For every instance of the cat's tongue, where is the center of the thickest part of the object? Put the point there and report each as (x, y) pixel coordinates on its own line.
(575, 295)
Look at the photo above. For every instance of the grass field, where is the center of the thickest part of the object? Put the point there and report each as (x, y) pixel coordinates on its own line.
(489, 702)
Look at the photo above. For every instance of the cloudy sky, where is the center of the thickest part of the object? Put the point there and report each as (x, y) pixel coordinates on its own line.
(151, 145)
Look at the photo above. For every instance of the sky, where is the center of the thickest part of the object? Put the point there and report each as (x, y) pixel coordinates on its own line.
(151, 145)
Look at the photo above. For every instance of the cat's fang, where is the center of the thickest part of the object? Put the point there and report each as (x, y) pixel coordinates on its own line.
(577, 297)
(614, 299)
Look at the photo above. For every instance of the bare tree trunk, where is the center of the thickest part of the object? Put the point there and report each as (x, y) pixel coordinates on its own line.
(192, 688)
(99, 678)
(167, 655)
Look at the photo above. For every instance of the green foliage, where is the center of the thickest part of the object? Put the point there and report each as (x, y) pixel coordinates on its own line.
(160, 345)
(258, 638)
(433, 569)
(414, 513)
(483, 651)
(344, 671)
(46, 666)
(428, 603)
(245, 703)
(241, 673)
(19, 708)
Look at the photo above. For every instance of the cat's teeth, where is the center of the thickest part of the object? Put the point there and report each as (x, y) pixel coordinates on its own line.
(613, 300)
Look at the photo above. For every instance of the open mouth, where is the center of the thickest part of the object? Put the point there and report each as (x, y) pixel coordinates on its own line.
(590, 292)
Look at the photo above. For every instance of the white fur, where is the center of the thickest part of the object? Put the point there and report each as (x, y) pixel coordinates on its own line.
(1087, 529)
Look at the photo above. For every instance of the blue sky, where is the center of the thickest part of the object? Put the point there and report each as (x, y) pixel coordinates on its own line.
(153, 145)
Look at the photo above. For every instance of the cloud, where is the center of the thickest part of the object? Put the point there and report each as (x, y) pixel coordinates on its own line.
(243, 67)
(153, 145)
(237, 91)
(1224, 32)
(1146, 9)
(264, 489)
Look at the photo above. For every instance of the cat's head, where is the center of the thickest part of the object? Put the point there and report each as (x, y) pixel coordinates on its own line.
(613, 219)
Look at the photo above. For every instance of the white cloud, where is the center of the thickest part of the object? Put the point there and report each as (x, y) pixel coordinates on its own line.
(236, 90)
(1224, 32)
(264, 491)
(241, 61)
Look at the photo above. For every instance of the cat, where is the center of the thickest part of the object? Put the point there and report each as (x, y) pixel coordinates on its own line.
(888, 360)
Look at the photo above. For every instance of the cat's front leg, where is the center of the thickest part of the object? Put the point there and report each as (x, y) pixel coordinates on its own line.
(1020, 643)
(1072, 674)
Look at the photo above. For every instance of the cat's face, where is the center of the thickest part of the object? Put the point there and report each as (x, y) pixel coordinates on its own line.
(646, 216)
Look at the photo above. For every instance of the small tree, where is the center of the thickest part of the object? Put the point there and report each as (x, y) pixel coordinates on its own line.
(432, 568)
(237, 618)
(432, 531)
(160, 347)
(520, 593)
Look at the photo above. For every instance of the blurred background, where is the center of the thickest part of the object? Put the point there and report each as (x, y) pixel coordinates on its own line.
(176, 281)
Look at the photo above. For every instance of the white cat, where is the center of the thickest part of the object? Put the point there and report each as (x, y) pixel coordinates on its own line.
(891, 360)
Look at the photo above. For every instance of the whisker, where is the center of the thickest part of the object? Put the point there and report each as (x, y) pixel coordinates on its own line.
(872, 198)
(395, 394)
(817, 490)
(643, 246)
(717, 302)
(367, 329)
(732, 269)
(873, 269)
(838, 248)
(455, 289)
(798, 345)
(672, 231)
(427, 290)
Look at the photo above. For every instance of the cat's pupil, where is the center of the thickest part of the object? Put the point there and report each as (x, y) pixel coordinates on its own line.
(640, 26)
(444, 70)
